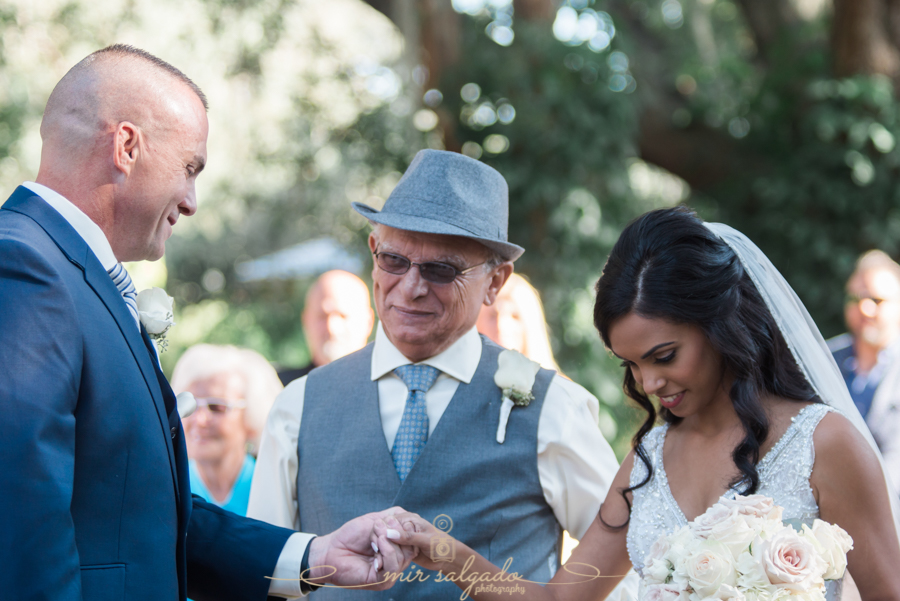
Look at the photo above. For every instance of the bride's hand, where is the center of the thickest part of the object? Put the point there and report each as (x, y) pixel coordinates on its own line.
(435, 547)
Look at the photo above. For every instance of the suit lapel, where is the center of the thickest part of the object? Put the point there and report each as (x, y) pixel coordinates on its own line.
(24, 201)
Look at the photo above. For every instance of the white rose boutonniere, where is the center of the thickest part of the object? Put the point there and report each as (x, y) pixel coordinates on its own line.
(155, 313)
(515, 377)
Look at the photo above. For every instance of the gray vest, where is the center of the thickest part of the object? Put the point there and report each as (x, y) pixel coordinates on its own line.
(490, 491)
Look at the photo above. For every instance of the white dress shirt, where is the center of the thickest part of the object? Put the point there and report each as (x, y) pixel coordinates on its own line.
(576, 465)
(288, 566)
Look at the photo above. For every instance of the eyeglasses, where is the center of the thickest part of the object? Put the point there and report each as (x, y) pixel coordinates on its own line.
(218, 406)
(855, 299)
(431, 271)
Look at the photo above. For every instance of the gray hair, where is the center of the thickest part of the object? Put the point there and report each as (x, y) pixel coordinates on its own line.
(261, 382)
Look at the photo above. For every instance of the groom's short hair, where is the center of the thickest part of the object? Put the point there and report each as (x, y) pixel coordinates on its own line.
(126, 50)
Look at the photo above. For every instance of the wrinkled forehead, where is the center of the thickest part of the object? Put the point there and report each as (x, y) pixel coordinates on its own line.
(429, 247)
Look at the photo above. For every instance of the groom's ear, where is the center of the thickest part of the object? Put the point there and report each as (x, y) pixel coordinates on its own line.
(126, 140)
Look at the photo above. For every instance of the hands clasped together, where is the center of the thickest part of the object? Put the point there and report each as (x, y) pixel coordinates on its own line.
(367, 551)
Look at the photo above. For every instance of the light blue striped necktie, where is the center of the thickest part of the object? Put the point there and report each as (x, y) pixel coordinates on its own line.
(413, 432)
(122, 281)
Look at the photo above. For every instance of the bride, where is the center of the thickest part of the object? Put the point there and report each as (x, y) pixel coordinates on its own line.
(750, 400)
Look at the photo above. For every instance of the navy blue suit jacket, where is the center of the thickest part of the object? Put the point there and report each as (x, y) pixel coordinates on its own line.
(95, 500)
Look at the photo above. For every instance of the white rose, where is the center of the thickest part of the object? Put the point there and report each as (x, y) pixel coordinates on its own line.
(728, 526)
(682, 543)
(703, 524)
(759, 506)
(659, 548)
(657, 570)
(736, 534)
(751, 574)
(515, 371)
(663, 592)
(832, 543)
(155, 310)
(726, 592)
(759, 594)
(515, 377)
(656, 567)
(708, 567)
(790, 561)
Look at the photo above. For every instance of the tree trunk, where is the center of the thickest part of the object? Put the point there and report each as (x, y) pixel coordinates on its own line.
(864, 35)
(534, 10)
(768, 20)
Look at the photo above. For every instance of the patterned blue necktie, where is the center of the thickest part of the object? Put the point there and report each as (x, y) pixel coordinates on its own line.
(413, 432)
(122, 281)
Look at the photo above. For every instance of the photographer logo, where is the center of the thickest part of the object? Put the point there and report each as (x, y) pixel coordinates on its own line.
(442, 547)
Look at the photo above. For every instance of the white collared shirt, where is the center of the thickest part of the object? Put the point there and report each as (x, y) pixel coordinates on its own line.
(81, 223)
(288, 566)
(576, 465)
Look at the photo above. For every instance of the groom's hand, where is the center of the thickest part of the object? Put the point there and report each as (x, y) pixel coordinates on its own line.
(354, 556)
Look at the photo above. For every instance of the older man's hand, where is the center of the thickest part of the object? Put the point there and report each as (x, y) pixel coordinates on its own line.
(355, 556)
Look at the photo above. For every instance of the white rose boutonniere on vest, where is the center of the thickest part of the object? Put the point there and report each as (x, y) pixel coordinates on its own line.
(515, 377)
(156, 314)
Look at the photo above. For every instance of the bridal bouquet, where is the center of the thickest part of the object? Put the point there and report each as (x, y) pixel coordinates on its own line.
(741, 550)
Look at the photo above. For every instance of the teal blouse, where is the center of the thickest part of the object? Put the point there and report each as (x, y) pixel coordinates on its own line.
(240, 495)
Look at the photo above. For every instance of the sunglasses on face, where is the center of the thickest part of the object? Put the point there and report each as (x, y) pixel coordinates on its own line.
(219, 406)
(431, 271)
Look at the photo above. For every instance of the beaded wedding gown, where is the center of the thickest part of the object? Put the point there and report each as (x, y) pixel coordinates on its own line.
(783, 475)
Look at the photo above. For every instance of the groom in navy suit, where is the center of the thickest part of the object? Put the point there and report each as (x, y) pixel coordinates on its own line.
(95, 502)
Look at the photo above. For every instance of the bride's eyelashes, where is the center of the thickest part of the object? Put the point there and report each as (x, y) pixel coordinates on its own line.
(666, 358)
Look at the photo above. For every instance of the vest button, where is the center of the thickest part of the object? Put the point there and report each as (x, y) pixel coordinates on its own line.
(174, 431)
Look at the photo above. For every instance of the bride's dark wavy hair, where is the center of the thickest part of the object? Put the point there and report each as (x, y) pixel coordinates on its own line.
(668, 265)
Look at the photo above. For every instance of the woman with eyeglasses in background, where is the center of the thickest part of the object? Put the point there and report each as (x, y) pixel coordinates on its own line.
(234, 389)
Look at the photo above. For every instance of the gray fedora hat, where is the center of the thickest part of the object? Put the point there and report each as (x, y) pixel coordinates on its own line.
(449, 193)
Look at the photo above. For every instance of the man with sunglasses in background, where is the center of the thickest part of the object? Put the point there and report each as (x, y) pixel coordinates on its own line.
(869, 354)
(415, 418)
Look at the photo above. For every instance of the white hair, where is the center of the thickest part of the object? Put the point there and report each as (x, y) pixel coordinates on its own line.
(261, 382)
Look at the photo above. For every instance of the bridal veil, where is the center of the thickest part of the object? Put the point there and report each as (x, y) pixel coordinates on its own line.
(803, 337)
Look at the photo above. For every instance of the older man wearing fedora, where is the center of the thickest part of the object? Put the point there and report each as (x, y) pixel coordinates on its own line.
(414, 419)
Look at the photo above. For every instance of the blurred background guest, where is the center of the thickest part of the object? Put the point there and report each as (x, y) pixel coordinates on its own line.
(337, 320)
(516, 321)
(869, 354)
(234, 389)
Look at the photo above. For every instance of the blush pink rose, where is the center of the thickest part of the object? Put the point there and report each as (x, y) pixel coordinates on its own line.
(664, 592)
(791, 562)
(758, 506)
(704, 524)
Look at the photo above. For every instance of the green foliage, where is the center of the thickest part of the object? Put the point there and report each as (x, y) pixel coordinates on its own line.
(825, 189)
